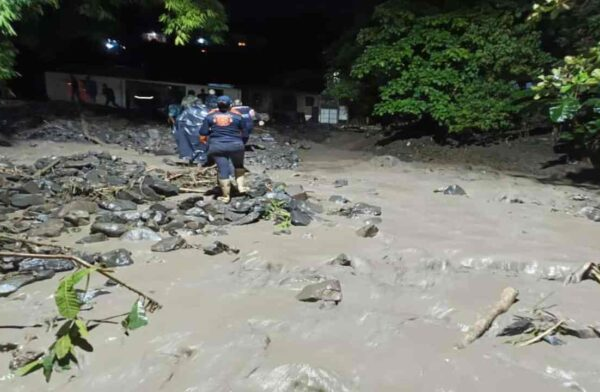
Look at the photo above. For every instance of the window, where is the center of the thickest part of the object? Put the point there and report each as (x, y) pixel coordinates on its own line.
(309, 101)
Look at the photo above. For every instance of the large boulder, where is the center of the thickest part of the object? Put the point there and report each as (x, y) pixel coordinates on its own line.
(330, 290)
(110, 229)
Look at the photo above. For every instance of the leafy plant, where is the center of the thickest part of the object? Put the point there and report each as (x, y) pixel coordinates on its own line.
(460, 67)
(73, 333)
(277, 212)
(180, 19)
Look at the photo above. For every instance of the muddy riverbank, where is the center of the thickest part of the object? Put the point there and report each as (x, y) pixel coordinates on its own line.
(233, 322)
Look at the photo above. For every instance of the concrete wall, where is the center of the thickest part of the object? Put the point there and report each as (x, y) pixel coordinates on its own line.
(58, 87)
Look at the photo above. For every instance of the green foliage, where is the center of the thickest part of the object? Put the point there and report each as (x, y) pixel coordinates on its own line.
(573, 89)
(277, 212)
(73, 333)
(67, 302)
(136, 318)
(458, 67)
(181, 18)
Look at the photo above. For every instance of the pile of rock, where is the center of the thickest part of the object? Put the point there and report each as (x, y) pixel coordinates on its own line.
(112, 198)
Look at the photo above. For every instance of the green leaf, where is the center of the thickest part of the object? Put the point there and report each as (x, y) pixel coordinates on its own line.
(81, 328)
(29, 368)
(48, 365)
(63, 346)
(136, 318)
(565, 110)
(66, 298)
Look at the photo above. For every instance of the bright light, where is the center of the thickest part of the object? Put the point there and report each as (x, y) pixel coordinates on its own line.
(241, 44)
(143, 97)
(204, 51)
(111, 44)
(202, 41)
(154, 36)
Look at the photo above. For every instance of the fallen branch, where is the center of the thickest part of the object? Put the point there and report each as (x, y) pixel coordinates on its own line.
(46, 169)
(507, 298)
(541, 336)
(86, 133)
(151, 305)
(190, 190)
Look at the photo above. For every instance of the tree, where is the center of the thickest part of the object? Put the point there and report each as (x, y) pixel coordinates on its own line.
(180, 19)
(461, 67)
(572, 89)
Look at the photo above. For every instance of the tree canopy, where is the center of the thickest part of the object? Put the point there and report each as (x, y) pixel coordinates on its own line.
(180, 19)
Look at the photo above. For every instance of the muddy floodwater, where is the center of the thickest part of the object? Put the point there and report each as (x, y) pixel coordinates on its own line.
(233, 323)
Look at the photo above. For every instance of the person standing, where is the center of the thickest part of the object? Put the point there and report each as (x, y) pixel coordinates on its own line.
(187, 133)
(75, 94)
(109, 93)
(248, 114)
(224, 130)
(211, 99)
(91, 87)
(202, 96)
(189, 99)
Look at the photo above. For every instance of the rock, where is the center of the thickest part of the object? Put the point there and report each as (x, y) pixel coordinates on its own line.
(368, 231)
(21, 200)
(385, 161)
(190, 202)
(341, 260)
(77, 205)
(153, 133)
(13, 281)
(116, 258)
(110, 229)
(592, 213)
(31, 187)
(300, 218)
(337, 199)
(128, 194)
(56, 265)
(92, 238)
(218, 247)
(118, 205)
(252, 217)
(51, 228)
(164, 188)
(78, 218)
(173, 225)
(169, 244)
(373, 221)
(330, 290)
(198, 212)
(340, 183)
(296, 192)
(232, 216)
(141, 234)
(454, 190)
(360, 209)
(127, 216)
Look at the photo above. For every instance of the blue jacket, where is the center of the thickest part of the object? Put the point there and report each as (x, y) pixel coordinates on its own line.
(211, 101)
(246, 112)
(225, 127)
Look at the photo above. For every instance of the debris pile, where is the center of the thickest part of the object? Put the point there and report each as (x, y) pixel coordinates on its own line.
(112, 198)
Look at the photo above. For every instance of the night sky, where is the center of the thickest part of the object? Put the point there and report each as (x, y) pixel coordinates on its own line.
(285, 48)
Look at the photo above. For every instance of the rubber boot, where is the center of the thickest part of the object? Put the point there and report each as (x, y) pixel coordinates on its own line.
(241, 180)
(225, 191)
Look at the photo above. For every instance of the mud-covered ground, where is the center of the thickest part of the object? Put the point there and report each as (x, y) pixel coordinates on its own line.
(233, 323)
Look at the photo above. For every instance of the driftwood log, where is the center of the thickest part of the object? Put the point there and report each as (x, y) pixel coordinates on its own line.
(507, 299)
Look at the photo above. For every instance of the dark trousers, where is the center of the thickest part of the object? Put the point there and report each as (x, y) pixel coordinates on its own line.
(228, 157)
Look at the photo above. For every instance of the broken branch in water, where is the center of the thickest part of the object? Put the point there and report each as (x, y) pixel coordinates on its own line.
(541, 336)
(589, 271)
(151, 305)
(86, 134)
(507, 299)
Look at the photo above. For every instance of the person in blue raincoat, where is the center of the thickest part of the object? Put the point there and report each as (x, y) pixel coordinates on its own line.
(248, 114)
(225, 130)
(187, 133)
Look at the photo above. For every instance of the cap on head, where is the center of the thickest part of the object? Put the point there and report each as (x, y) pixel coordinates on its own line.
(211, 91)
(224, 102)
